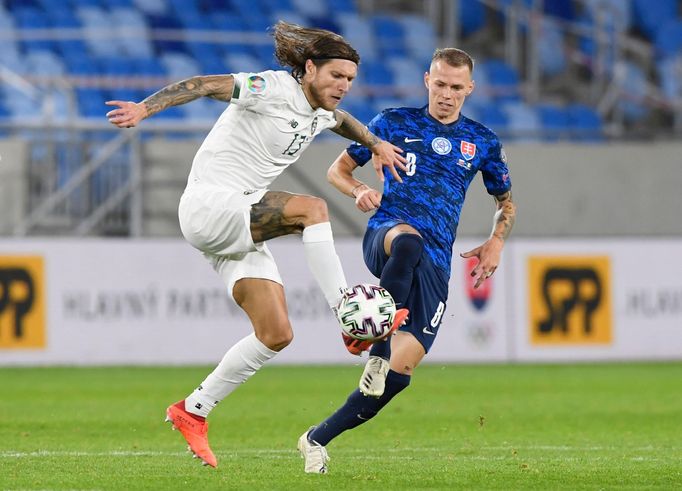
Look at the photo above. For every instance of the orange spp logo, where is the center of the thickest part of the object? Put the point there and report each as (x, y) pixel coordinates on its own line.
(22, 302)
(570, 300)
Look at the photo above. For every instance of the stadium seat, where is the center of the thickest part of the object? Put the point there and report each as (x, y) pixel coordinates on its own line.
(471, 17)
(30, 18)
(342, 6)
(152, 7)
(388, 35)
(408, 76)
(648, 16)
(376, 77)
(91, 103)
(493, 117)
(523, 121)
(243, 63)
(420, 38)
(135, 40)
(502, 79)
(551, 49)
(668, 41)
(584, 123)
(670, 74)
(179, 65)
(43, 63)
(312, 9)
(555, 122)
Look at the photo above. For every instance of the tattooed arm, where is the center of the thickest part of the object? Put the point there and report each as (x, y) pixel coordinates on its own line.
(129, 114)
(384, 154)
(504, 216)
(489, 252)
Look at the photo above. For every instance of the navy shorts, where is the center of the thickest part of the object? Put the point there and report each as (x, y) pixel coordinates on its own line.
(428, 294)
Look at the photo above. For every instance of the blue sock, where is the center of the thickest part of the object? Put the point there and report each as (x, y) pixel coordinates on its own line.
(358, 409)
(396, 277)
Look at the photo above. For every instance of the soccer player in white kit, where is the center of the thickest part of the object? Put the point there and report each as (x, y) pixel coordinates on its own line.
(227, 210)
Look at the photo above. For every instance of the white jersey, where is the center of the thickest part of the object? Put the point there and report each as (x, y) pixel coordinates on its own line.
(266, 127)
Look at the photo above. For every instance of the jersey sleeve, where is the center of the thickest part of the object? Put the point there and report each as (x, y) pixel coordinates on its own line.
(495, 171)
(252, 89)
(378, 126)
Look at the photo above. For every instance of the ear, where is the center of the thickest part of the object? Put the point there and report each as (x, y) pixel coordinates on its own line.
(310, 67)
(426, 80)
(471, 88)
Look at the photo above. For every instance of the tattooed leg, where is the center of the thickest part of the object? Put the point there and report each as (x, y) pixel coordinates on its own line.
(280, 213)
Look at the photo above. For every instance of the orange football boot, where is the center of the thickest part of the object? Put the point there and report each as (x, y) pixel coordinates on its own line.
(357, 346)
(193, 430)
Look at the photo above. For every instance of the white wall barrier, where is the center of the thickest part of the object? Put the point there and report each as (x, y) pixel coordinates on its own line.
(100, 302)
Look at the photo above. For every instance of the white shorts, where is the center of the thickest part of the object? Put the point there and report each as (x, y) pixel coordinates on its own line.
(218, 222)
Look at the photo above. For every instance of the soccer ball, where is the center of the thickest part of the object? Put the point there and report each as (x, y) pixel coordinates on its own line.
(366, 312)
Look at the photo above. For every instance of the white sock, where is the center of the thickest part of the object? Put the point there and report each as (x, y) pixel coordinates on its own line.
(240, 362)
(324, 263)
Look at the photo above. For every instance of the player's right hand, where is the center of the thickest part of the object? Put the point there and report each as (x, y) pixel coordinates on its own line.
(128, 114)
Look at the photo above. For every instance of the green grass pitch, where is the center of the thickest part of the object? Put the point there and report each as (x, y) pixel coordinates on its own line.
(596, 426)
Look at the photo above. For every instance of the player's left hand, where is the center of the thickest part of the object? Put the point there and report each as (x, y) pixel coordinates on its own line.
(488, 255)
(367, 199)
(385, 154)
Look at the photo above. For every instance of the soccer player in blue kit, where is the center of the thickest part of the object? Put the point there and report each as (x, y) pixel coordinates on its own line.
(409, 239)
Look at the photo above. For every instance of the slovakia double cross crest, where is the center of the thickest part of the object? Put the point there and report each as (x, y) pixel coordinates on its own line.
(468, 150)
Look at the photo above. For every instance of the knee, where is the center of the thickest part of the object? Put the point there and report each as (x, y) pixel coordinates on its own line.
(316, 211)
(408, 246)
(278, 337)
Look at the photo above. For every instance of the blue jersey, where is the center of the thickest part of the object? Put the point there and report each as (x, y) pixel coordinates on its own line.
(443, 159)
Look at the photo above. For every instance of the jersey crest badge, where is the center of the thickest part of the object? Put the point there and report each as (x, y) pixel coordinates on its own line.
(255, 84)
(467, 149)
(313, 126)
(441, 146)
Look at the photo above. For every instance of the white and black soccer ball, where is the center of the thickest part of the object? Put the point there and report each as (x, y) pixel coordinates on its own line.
(366, 312)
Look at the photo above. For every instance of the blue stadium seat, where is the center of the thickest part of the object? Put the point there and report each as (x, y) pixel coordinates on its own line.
(408, 76)
(502, 80)
(154, 7)
(363, 112)
(342, 6)
(523, 121)
(555, 121)
(243, 63)
(668, 41)
(180, 66)
(584, 122)
(389, 36)
(165, 22)
(376, 76)
(471, 17)
(312, 9)
(95, 20)
(33, 18)
(44, 63)
(151, 67)
(551, 50)
(420, 38)
(670, 74)
(493, 117)
(91, 102)
(649, 16)
(275, 5)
